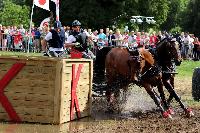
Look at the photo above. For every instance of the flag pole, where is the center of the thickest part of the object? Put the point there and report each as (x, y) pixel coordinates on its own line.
(29, 39)
(57, 10)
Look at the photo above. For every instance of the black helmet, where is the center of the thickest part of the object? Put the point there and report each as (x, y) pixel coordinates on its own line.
(76, 23)
(57, 24)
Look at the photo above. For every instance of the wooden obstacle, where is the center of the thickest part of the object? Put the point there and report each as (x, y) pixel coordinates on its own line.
(44, 90)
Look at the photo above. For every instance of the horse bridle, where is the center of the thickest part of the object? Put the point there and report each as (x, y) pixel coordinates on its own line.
(136, 58)
(169, 66)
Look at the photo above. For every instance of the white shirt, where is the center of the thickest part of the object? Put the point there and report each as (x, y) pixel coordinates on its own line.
(186, 40)
(72, 39)
(49, 37)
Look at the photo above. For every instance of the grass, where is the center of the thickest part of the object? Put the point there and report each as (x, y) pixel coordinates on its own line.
(185, 73)
(5, 53)
(186, 68)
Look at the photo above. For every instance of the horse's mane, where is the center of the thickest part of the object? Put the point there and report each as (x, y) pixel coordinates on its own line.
(159, 44)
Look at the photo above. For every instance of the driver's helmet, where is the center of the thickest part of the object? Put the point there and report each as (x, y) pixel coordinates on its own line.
(57, 24)
(76, 23)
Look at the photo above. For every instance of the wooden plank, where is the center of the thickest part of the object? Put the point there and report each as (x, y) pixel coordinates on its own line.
(42, 90)
(29, 96)
(57, 91)
(32, 111)
(32, 103)
(31, 83)
(29, 104)
(29, 118)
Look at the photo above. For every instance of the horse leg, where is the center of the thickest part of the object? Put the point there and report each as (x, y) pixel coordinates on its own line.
(156, 99)
(110, 99)
(110, 95)
(162, 95)
(172, 92)
(171, 80)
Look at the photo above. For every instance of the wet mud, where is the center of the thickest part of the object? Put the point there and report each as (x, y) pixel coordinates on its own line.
(139, 115)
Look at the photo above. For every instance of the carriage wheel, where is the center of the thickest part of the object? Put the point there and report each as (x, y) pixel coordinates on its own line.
(196, 84)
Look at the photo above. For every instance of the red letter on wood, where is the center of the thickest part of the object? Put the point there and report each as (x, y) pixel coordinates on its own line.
(15, 69)
(74, 99)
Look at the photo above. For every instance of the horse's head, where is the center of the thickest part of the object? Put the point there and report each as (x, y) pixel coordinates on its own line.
(174, 52)
(168, 51)
(135, 64)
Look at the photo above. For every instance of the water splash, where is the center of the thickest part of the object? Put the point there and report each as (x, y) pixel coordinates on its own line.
(138, 101)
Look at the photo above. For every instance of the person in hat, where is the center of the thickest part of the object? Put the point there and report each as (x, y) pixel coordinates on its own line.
(55, 39)
(78, 40)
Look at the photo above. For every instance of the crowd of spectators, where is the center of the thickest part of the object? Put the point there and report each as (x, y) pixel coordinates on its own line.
(13, 38)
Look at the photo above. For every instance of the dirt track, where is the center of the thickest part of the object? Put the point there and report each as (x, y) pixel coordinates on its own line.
(141, 118)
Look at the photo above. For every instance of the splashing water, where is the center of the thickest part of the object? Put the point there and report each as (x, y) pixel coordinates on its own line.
(137, 101)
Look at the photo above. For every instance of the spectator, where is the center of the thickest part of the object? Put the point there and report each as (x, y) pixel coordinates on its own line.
(132, 40)
(111, 37)
(1, 36)
(186, 42)
(196, 49)
(4, 33)
(118, 38)
(153, 40)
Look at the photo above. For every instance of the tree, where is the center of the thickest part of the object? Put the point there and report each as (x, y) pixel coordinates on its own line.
(169, 14)
(92, 13)
(154, 8)
(13, 14)
(191, 21)
(174, 16)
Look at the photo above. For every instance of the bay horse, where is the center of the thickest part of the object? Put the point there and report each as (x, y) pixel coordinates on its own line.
(167, 55)
(123, 67)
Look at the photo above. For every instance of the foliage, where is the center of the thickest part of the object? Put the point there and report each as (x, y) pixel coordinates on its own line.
(13, 14)
(191, 17)
(156, 8)
(176, 29)
(169, 14)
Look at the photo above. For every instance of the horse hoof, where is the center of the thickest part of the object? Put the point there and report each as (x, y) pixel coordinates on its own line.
(166, 115)
(170, 111)
(189, 112)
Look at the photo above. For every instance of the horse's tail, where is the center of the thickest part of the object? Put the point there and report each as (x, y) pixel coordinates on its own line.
(99, 64)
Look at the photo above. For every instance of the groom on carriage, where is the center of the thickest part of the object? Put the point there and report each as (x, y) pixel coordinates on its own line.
(55, 40)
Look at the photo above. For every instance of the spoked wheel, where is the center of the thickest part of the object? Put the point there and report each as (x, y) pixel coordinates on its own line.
(196, 84)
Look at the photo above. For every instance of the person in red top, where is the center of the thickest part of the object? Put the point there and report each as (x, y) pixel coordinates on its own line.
(153, 40)
(138, 39)
(196, 49)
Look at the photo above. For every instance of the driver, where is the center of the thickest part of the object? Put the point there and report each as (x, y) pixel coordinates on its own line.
(78, 40)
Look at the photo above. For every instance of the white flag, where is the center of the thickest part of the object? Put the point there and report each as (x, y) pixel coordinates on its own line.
(44, 4)
(55, 1)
